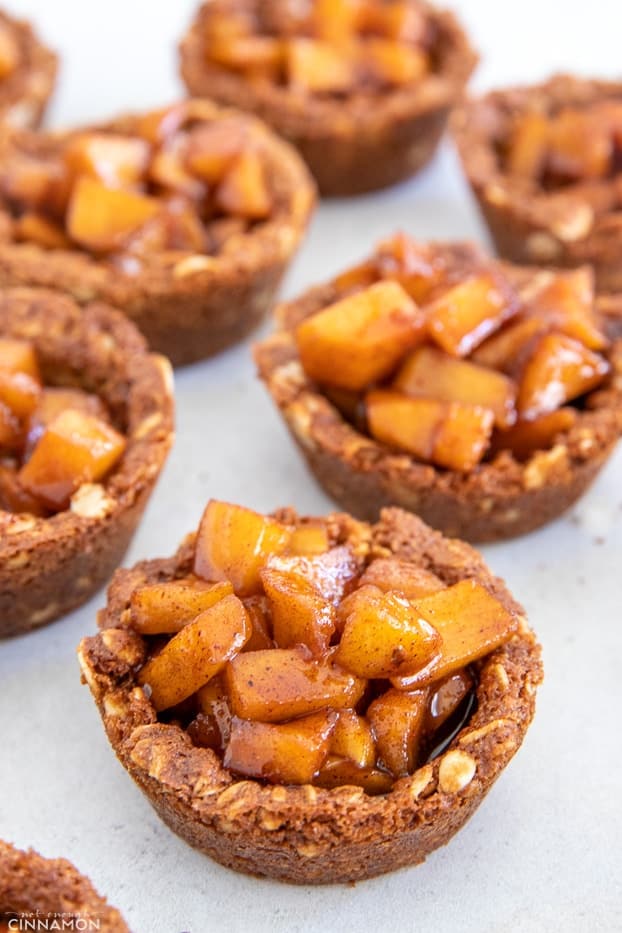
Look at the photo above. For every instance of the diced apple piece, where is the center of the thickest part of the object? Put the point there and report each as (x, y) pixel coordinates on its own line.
(361, 338)
(330, 573)
(11, 434)
(353, 739)
(116, 161)
(397, 719)
(461, 318)
(316, 67)
(393, 63)
(167, 170)
(101, 219)
(258, 609)
(300, 614)
(213, 147)
(197, 653)
(471, 622)
(566, 301)
(309, 540)
(410, 263)
(291, 753)
(18, 356)
(335, 21)
(234, 543)
(340, 772)
(213, 724)
(528, 147)
(445, 698)
(184, 229)
(400, 20)
(9, 52)
(450, 434)
(280, 684)
(164, 608)
(579, 146)
(357, 277)
(76, 448)
(32, 227)
(506, 350)
(244, 190)
(430, 373)
(361, 597)
(53, 402)
(390, 574)
(13, 497)
(384, 637)
(30, 182)
(528, 436)
(255, 55)
(560, 369)
(20, 392)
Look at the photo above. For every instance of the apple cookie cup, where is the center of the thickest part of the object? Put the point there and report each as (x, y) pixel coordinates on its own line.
(68, 514)
(439, 398)
(312, 728)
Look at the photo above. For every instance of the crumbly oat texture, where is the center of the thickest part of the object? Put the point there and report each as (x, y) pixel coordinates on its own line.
(305, 834)
(197, 305)
(30, 883)
(24, 93)
(528, 223)
(49, 566)
(352, 144)
(501, 498)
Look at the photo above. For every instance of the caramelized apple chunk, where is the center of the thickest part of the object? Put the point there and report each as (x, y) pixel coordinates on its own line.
(9, 52)
(290, 753)
(234, 543)
(300, 614)
(331, 573)
(244, 191)
(538, 434)
(101, 219)
(11, 433)
(165, 608)
(361, 338)
(393, 63)
(309, 540)
(283, 683)
(19, 392)
(400, 576)
(53, 401)
(397, 719)
(18, 356)
(75, 448)
(566, 301)
(445, 697)
(114, 160)
(316, 67)
(528, 146)
(197, 653)
(471, 311)
(352, 739)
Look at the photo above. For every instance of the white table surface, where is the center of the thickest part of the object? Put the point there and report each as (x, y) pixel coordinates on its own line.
(543, 853)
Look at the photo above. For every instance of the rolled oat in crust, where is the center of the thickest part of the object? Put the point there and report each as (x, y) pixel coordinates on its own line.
(528, 223)
(48, 566)
(352, 144)
(500, 498)
(33, 887)
(306, 834)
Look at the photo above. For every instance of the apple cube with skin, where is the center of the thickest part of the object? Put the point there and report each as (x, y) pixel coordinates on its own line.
(560, 369)
(384, 636)
(115, 160)
(244, 191)
(197, 653)
(102, 219)
(528, 146)
(430, 373)
(234, 543)
(283, 683)
(566, 301)
(390, 574)
(18, 356)
(506, 350)
(397, 720)
(52, 402)
(361, 338)
(352, 739)
(331, 573)
(393, 63)
(450, 434)
(165, 608)
(300, 614)
(19, 392)
(338, 772)
(309, 540)
(33, 227)
(290, 753)
(258, 609)
(9, 52)
(461, 318)
(316, 67)
(528, 436)
(471, 623)
(445, 698)
(75, 448)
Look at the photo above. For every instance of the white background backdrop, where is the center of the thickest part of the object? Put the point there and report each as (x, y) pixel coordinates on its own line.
(544, 851)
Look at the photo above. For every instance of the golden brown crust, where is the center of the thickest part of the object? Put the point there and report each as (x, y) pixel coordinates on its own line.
(355, 145)
(499, 499)
(51, 565)
(31, 884)
(195, 306)
(306, 834)
(529, 224)
(25, 92)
